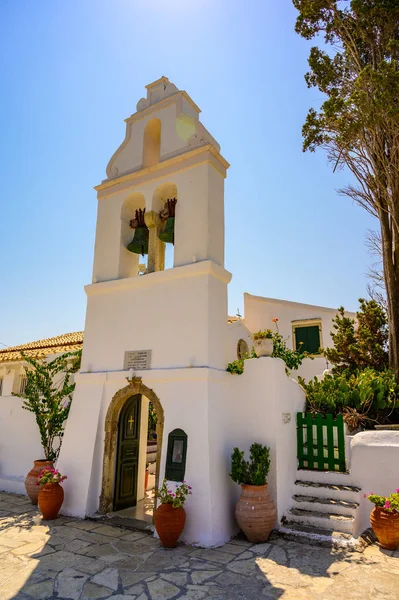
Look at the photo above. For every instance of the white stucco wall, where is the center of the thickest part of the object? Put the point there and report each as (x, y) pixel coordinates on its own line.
(180, 314)
(259, 313)
(217, 411)
(19, 442)
(374, 467)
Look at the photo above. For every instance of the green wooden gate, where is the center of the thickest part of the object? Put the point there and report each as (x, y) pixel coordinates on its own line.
(321, 442)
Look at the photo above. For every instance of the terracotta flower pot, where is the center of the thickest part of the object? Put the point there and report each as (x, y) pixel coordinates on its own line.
(146, 480)
(32, 489)
(255, 513)
(169, 523)
(263, 347)
(386, 527)
(51, 497)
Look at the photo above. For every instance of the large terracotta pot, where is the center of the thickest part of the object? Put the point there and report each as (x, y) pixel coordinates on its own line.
(169, 523)
(51, 497)
(256, 513)
(263, 347)
(386, 527)
(31, 486)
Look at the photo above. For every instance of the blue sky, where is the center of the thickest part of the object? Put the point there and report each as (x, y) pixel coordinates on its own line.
(73, 71)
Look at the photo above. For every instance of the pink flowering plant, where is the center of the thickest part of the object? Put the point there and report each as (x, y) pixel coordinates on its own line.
(176, 497)
(390, 503)
(50, 476)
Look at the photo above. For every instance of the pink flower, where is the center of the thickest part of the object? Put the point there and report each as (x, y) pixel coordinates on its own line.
(173, 495)
(397, 491)
(387, 504)
(364, 495)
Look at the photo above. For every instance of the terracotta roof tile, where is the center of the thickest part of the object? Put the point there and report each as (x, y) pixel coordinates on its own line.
(61, 343)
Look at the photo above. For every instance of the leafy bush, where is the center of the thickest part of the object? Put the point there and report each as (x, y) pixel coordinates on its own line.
(292, 358)
(254, 471)
(49, 397)
(263, 334)
(372, 393)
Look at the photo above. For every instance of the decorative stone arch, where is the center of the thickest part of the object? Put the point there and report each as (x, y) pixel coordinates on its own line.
(134, 387)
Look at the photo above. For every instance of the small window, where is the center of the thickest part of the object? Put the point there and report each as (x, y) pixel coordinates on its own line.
(307, 338)
(23, 380)
(176, 455)
(242, 349)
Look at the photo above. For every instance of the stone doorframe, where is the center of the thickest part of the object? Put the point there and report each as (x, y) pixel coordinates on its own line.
(134, 387)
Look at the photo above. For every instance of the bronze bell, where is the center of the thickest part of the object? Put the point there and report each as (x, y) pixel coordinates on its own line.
(168, 233)
(139, 243)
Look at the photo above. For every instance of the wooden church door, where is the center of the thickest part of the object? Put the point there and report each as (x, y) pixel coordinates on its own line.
(128, 454)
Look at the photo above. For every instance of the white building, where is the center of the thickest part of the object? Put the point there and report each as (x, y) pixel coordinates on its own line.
(165, 337)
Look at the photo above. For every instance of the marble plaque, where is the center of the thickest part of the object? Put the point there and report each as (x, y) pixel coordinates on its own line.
(138, 360)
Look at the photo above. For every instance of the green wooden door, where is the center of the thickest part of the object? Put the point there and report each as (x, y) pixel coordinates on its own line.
(128, 454)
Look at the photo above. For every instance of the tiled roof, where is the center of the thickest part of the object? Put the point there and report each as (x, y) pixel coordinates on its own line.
(61, 343)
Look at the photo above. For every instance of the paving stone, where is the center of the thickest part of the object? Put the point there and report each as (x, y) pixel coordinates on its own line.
(76, 545)
(59, 560)
(175, 577)
(129, 577)
(243, 567)
(217, 556)
(70, 583)
(133, 536)
(39, 591)
(135, 590)
(28, 548)
(260, 548)
(91, 591)
(162, 590)
(85, 525)
(123, 597)
(231, 548)
(108, 577)
(109, 531)
(194, 595)
(201, 576)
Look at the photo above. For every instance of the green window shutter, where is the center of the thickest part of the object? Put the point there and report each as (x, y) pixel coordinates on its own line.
(310, 338)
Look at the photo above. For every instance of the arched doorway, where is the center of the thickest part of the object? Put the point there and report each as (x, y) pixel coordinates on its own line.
(116, 414)
(127, 454)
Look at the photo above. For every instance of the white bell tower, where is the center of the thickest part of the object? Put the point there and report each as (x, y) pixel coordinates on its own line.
(176, 318)
(178, 313)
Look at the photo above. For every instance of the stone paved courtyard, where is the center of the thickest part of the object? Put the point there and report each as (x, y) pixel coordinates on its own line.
(68, 558)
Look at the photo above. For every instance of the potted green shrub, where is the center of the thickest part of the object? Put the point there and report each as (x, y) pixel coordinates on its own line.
(255, 511)
(263, 342)
(48, 395)
(384, 519)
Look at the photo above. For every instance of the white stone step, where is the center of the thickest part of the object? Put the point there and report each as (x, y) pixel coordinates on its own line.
(328, 521)
(328, 490)
(318, 537)
(325, 505)
(325, 477)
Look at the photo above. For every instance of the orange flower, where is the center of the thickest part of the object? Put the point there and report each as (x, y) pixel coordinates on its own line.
(274, 320)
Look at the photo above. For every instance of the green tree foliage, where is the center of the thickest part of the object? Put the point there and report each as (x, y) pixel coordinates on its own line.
(254, 471)
(48, 395)
(362, 342)
(358, 122)
(372, 394)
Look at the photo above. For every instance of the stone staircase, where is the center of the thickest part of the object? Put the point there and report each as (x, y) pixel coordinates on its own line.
(324, 509)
